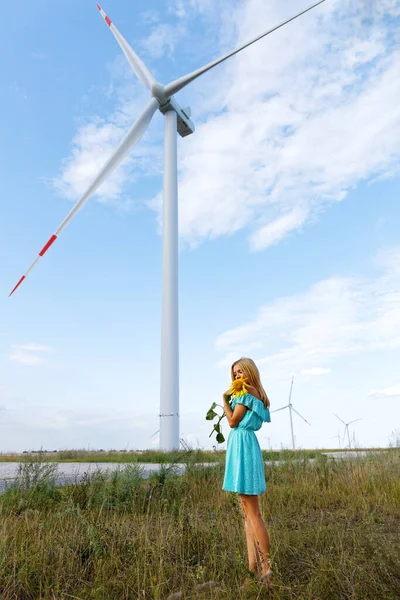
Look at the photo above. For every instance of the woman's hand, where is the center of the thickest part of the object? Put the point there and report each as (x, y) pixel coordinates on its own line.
(226, 395)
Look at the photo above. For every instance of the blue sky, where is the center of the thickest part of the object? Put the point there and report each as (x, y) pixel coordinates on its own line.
(289, 220)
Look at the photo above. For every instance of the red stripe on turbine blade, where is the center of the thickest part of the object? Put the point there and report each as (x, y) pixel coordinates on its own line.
(19, 283)
(47, 246)
(108, 21)
(98, 6)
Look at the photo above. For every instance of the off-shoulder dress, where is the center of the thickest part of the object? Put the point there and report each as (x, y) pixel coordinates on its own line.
(244, 466)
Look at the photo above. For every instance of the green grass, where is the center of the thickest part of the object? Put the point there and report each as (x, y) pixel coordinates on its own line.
(114, 456)
(334, 526)
(151, 456)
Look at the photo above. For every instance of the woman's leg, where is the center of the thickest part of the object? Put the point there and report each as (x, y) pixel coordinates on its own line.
(251, 507)
(251, 542)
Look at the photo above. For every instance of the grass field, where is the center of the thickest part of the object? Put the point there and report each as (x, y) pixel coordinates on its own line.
(334, 526)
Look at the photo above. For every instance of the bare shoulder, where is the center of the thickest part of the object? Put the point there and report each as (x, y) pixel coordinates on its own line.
(253, 391)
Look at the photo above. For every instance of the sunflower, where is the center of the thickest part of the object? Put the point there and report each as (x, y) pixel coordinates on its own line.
(238, 388)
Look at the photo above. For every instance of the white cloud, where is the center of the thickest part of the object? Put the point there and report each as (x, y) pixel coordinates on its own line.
(314, 371)
(150, 16)
(28, 354)
(292, 123)
(334, 318)
(24, 358)
(185, 8)
(162, 40)
(91, 147)
(273, 232)
(31, 347)
(389, 392)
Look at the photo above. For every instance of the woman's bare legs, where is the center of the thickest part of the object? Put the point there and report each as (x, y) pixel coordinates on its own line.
(260, 537)
(251, 542)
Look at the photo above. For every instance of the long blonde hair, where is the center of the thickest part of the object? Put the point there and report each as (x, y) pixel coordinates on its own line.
(252, 375)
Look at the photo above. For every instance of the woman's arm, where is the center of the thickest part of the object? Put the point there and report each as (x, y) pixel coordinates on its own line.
(234, 416)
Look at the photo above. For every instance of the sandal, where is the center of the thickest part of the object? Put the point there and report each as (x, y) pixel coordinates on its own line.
(267, 578)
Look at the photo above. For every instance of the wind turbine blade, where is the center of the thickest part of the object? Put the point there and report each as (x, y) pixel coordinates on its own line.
(290, 393)
(178, 84)
(297, 413)
(350, 422)
(132, 137)
(277, 409)
(339, 418)
(138, 66)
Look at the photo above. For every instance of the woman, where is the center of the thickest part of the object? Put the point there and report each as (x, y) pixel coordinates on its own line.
(244, 469)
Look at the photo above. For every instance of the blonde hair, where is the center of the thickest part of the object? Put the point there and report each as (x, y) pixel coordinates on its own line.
(252, 375)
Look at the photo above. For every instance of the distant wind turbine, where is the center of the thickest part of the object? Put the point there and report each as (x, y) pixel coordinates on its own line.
(177, 119)
(346, 427)
(338, 437)
(290, 407)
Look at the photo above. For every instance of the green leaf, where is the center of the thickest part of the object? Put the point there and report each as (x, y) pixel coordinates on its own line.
(210, 415)
(220, 438)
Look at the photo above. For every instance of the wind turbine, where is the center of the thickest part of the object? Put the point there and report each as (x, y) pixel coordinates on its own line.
(337, 437)
(346, 427)
(290, 407)
(176, 119)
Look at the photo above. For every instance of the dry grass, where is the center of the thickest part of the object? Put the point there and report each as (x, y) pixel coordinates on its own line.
(335, 531)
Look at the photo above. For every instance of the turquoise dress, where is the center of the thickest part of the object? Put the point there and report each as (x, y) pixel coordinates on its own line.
(244, 466)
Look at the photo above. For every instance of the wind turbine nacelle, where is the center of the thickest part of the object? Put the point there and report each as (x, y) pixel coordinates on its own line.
(184, 125)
